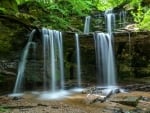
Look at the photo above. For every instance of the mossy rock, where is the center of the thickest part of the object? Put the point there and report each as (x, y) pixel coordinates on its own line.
(127, 100)
(35, 13)
(13, 37)
(32, 8)
(10, 6)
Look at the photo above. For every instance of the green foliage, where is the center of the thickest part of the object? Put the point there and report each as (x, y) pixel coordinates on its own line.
(135, 3)
(79, 6)
(103, 5)
(2, 10)
(145, 23)
(21, 1)
(60, 11)
(3, 109)
(138, 14)
(8, 6)
(141, 14)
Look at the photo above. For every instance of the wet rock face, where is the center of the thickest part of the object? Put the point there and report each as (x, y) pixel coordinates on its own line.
(13, 37)
(8, 70)
(137, 87)
(132, 55)
(12, 40)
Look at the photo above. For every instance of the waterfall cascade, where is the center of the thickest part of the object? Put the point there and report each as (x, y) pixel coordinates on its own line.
(110, 21)
(87, 24)
(78, 60)
(53, 60)
(53, 64)
(22, 65)
(105, 60)
(122, 19)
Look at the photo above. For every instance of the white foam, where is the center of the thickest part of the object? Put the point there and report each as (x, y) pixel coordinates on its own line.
(54, 95)
(77, 89)
(16, 94)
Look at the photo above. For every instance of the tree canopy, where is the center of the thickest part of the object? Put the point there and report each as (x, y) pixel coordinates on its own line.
(61, 10)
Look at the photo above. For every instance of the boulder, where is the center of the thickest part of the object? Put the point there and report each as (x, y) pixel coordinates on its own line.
(127, 100)
(92, 98)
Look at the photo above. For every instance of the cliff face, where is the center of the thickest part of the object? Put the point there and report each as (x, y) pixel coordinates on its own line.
(13, 38)
(131, 54)
(131, 50)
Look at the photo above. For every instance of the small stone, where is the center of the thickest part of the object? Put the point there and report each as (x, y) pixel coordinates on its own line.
(42, 105)
(54, 107)
(16, 98)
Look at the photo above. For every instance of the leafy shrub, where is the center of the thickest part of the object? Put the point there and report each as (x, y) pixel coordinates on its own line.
(145, 23)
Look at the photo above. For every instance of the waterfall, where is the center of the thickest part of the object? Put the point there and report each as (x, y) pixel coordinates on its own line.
(22, 64)
(122, 18)
(105, 59)
(87, 24)
(110, 21)
(53, 60)
(78, 60)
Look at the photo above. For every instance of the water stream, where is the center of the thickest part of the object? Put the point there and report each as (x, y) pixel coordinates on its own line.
(105, 60)
(53, 60)
(22, 65)
(87, 24)
(78, 60)
(110, 21)
(53, 65)
(122, 19)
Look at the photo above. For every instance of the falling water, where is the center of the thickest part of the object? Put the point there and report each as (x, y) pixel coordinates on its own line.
(78, 60)
(22, 64)
(105, 59)
(122, 18)
(53, 59)
(61, 61)
(110, 21)
(87, 24)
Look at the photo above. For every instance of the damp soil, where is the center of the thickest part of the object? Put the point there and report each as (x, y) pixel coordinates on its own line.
(75, 103)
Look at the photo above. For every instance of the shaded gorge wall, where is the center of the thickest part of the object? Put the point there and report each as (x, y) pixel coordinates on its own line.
(13, 38)
(131, 53)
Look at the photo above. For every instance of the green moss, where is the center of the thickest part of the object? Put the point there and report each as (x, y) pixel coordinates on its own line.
(12, 37)
(3, 109)
(9, 6)
(5, 42)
